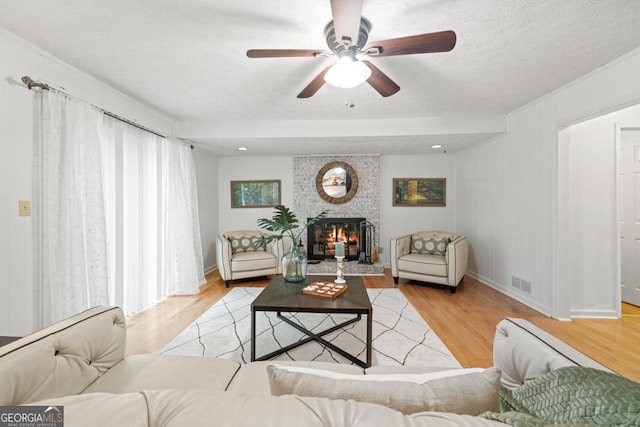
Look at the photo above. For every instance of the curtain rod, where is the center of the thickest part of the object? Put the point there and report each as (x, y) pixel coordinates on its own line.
(30, 83)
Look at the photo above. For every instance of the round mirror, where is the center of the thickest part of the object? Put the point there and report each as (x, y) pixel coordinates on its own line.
(337, 182)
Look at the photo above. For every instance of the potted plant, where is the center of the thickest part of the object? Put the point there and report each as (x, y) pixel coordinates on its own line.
(282, 224)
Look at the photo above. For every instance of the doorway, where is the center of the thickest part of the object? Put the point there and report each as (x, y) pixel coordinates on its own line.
(628, 144)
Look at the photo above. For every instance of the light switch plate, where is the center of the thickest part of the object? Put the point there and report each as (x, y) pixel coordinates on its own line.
(24, 207)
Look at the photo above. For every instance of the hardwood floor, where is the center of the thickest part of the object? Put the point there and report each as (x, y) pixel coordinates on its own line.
(465, 321)
(7, 340)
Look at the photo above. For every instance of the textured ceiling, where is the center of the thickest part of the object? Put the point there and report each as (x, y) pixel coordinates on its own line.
(187, 59)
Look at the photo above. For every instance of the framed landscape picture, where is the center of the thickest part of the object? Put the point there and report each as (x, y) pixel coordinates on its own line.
(419, 192)
(255, 194)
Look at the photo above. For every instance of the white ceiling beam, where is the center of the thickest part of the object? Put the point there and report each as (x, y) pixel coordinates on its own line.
(446, 125)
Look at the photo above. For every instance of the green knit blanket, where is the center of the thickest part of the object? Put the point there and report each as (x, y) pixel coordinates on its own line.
(571, 396)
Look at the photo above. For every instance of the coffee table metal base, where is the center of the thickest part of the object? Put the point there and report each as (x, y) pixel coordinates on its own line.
(314, 337)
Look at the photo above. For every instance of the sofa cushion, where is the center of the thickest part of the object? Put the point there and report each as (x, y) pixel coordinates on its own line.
(213, 408)
(429, 245)
(169, 408)
(179, 408)
(432, 265)
(249, 261)
(152, 371)
(245, 243)
(459, 391)
(253, 377)
(101, 409)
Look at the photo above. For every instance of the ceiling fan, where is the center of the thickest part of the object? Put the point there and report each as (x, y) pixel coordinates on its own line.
(347, 36)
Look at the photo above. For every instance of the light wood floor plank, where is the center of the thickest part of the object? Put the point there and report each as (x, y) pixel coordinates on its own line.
(465, 321)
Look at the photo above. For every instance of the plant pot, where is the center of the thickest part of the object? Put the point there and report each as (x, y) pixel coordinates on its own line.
(294, 265)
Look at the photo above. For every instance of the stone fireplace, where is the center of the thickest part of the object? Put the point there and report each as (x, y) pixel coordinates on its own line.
(365, 204)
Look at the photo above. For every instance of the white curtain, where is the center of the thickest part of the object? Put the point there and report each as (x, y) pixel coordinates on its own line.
(133, 180)
(70, 237)
(183, 271)
(153, 218)
(116, 212)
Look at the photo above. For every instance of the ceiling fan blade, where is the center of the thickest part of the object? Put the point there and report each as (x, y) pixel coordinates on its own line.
(380, 81)
(346, 20)
(284, 53)
(442, 41)
(314, 85)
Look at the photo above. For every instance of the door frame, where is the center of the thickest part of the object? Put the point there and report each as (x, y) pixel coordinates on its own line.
(620, 127)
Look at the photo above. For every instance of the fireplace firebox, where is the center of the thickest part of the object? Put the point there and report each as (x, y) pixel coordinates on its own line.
(323, 235)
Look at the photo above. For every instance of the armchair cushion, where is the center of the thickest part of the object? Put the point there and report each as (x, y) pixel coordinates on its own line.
(250, 261)
(245, 244)
(432, 265)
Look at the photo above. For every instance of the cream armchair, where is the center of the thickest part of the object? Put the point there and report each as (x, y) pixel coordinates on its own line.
(430, 256)
(238, 258)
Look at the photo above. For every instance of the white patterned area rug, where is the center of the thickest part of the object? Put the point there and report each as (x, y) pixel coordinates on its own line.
(400, 335)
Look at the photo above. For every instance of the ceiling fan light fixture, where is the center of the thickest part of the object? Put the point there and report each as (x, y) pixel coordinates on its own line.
(347, 73)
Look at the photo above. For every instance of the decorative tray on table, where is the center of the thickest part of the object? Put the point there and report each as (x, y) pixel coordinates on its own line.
(324, 289)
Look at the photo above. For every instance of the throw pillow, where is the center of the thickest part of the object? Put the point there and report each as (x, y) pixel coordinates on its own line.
(431, 245)
(245, 244)
(468, 393)
(577, 395)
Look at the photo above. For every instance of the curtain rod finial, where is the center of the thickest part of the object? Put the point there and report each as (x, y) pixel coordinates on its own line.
(31, 83)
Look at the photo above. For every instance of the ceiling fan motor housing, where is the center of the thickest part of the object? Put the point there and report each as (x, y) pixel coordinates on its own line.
(338, 45)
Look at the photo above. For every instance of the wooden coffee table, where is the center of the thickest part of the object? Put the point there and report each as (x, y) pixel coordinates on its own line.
(281, 296)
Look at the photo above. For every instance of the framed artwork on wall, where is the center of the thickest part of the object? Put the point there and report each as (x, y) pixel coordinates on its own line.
(420, 192)
(255, 194)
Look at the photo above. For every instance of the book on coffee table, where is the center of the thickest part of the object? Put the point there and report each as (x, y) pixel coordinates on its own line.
(324, 289)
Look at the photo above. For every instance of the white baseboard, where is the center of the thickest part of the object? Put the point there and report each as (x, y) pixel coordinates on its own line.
(593, 314)
(512, 294)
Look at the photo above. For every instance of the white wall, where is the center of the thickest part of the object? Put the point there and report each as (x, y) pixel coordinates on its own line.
(394, 221)
(592, 202)
(481, 209)
(400, 220)
(15, 184)
(16, 122)
(206, 165)
(507, 198)
(244, 168)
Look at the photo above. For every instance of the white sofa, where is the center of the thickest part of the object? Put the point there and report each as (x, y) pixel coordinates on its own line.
(445, 263)
(79, 364)
(238, 258)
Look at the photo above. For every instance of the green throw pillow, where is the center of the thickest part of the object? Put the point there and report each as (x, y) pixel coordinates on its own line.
(577, 395)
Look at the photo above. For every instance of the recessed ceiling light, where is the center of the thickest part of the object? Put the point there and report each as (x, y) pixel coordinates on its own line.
(242, 148)
(436, 146)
